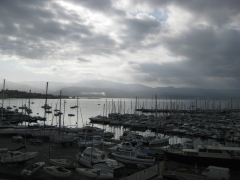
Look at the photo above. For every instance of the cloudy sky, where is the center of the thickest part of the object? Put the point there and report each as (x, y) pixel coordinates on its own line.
(181, 43)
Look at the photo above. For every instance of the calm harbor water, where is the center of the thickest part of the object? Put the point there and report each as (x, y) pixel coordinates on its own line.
(92, 107)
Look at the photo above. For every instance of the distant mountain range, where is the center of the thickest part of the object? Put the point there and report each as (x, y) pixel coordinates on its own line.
(108, 89)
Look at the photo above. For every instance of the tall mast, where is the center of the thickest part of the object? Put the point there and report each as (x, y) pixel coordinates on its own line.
(3, 98)
(60, 113)
(103, 126)
(29, 99)
(77, 111)
(45, 107)
(64, 112)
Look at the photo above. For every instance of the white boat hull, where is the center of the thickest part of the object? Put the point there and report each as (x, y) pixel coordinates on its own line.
(57, 171)
(22, 158)
(30, 170)
(159, 141)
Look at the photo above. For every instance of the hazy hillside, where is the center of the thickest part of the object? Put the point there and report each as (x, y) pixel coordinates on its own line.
(102, 88)
(20, 87)
(109, 84)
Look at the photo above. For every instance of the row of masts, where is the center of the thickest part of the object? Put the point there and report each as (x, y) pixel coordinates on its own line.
(162, 105)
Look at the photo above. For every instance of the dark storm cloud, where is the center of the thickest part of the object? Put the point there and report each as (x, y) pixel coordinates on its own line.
(137, 30)
(33, 29)
(215, 54)
(209, 52)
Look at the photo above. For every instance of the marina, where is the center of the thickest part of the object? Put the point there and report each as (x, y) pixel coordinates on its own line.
(60, 139)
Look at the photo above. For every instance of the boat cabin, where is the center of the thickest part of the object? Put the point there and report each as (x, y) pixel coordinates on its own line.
(127, 153)
(111, 162)
(94, 154)
(15, 153)
(213, 151)
(125, 146)
(97, 138)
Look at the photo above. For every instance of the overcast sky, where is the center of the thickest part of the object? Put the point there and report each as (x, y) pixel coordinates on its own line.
(158, 43)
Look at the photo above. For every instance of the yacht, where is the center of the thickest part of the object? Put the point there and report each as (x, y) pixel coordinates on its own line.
(121, 147)
(18, 157)
(147, 138)
(95, 141)
(99, 119)
(133, 156)
(89, 130)
(159, 140)
(93, 157)
(215, 155)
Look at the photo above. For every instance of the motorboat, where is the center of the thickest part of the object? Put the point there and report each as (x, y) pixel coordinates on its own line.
(147, 138)
(122, 147)
(159, 140)
(134, 157)
(30, 170)
(95, 141)
(203, 155)
(46, 106)
(99, 119)
(89, 130)
(57, 171)
(92, 157)
(95, 173)
(17, 157)
(17, 138)
(63, 163)
(129, 147)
